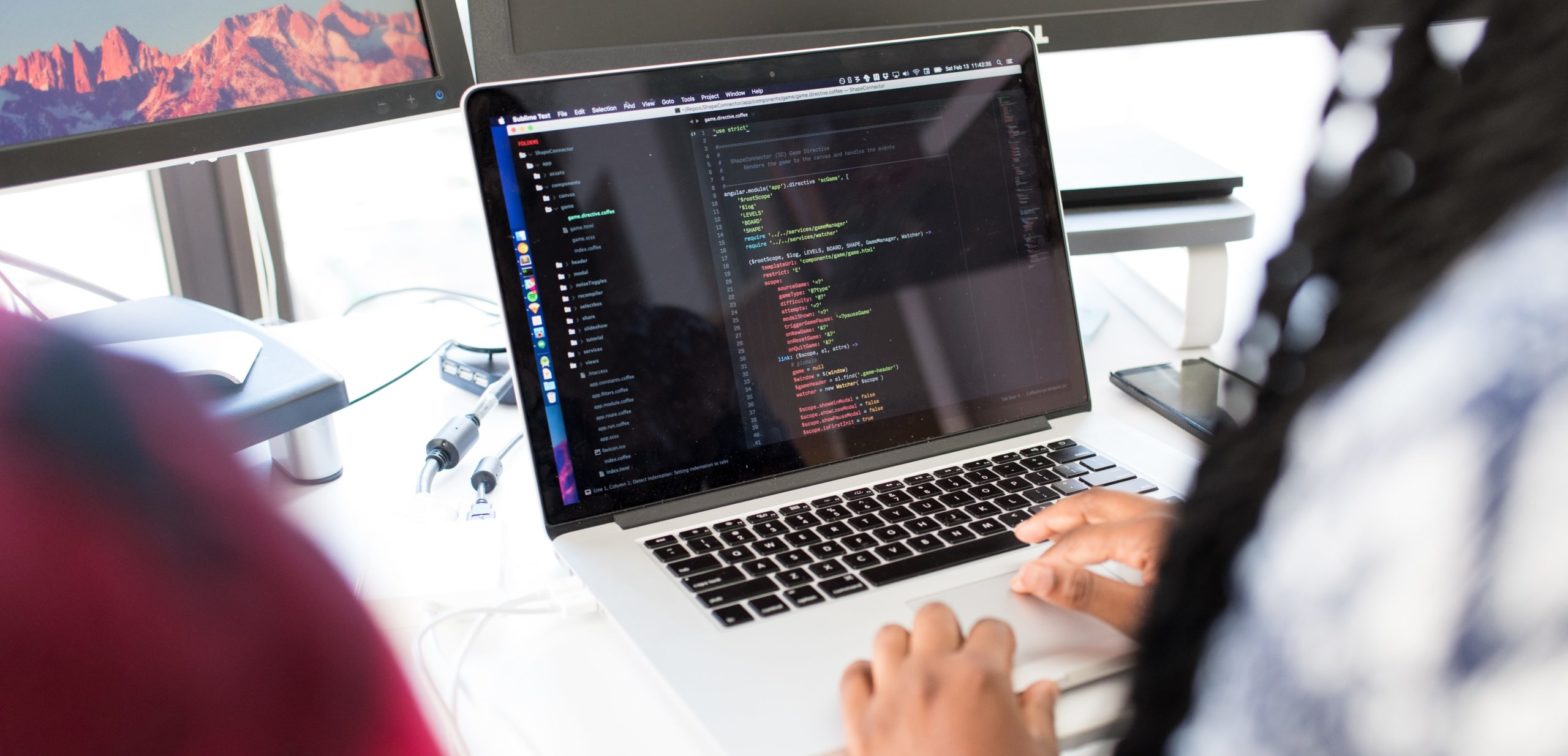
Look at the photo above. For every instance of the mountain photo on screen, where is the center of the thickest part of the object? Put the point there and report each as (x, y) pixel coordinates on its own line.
(195, 57)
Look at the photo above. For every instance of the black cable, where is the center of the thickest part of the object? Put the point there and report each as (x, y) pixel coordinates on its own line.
(402, 375)
(59, 275)
(22, 297)
(448, 294)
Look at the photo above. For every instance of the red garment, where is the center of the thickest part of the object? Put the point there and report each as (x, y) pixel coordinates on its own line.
(150, 601)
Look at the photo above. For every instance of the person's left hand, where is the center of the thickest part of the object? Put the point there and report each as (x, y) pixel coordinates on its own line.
(930, 690)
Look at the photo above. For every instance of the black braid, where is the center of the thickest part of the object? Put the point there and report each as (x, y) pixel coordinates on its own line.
(1455, 151)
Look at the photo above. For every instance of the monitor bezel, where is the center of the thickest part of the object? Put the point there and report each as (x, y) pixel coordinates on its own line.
(484, 103)
(196, 138)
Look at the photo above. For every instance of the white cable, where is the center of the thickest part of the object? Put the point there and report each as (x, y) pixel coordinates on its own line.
(492, 396)
(427, 475)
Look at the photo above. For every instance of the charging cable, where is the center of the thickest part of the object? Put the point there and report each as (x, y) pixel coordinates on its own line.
(444, 450)
(487, 475)
(565, 598)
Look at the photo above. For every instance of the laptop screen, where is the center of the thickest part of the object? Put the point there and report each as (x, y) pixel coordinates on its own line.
(725, 272)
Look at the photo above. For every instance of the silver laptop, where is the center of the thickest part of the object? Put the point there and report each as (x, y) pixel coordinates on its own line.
(796, 346)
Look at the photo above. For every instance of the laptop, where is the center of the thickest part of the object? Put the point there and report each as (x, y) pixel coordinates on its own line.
(796, 348)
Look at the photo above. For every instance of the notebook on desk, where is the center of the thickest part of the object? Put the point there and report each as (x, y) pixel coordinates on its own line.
(796, 348)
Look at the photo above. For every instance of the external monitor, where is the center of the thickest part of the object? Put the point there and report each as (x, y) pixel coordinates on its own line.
(527, 38)
(94, 87)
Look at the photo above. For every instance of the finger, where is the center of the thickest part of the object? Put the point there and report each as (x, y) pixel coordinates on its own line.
(1091, 507)
(888, 650)
(1112, 601)
(1038, 705)
(935, 630)
(1136, 543)
(993, 640)
(854, 692)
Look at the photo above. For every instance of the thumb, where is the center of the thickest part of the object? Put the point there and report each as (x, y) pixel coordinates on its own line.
(1038, 706)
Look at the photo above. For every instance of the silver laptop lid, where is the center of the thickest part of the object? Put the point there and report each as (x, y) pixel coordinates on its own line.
(725, 272)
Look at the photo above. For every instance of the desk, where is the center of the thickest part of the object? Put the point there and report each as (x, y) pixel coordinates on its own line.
(551, 677)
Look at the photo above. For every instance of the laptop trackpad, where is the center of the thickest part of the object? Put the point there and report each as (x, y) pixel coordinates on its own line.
(1055, 643)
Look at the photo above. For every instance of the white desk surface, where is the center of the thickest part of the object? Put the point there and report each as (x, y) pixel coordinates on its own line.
(572, 684)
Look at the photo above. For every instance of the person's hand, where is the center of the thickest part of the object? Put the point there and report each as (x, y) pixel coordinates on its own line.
(930, 690)
(1092, 527)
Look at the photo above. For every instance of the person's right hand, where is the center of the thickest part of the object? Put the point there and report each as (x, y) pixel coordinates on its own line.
(1092, 527)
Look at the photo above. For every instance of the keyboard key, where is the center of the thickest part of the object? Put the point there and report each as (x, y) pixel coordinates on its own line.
(1005, 457)
(859, 493)
(955, 483)
(761, 517)
(1136, 485)
(833, 512)
(861, 560)
(840, 587)
(1069, 487)
(1011, 519)
(827, 501)
(897, 514)
(895, 497)
(924, 543)
(892, 485)
(728, 525)
(738, 536)
(890, 533)
(804, 596)
(956, 499)
(687, 535)
(731, 616)
(802, 521)
(981, 476)
(792, 578)
(735, 554)
(979, 548)
(864, 506)
(1107, 476)
(671, 553)
(1070, 470)
(826, 550)
(1062, 444)
(1042, 477)
(865, 522)
(1033, 451)
(694, 565)
(1011, 468)
(1070, 454)
(707, 581)
(796, 558)
(948, 472)
(803, 538)
(704, 544)
(660, 542)
(1014, 485)
(983, 509)
(927, 507)
(830, 568)
(1097, 463)
(985, 491)
(770, 546)
(1042, 495)
(729, 594)
(834, 531)
(977, 464)
(952, 517)
(924, 490)
(1037, 463)
(987, 528)
(858, 542)
(770, 529)
(922, 525)
(956, 535)
(794, 509)
(893, 551)
(758, 567)
(767, 606)
(1012, 502)
(915, 480)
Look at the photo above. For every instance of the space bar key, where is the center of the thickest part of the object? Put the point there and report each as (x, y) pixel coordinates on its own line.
(902, 569)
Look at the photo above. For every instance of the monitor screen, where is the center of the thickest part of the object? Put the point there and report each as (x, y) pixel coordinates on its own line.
(144, 63)
(723, 273)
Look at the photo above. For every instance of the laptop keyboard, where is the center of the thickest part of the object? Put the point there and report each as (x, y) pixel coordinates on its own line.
(778, 560)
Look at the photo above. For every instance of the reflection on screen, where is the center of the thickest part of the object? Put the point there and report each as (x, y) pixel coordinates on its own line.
(156, 61)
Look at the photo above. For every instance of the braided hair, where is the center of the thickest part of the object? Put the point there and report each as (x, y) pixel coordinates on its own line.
(1458, 144)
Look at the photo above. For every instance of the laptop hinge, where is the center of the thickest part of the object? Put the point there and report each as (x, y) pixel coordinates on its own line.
(726, 496)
